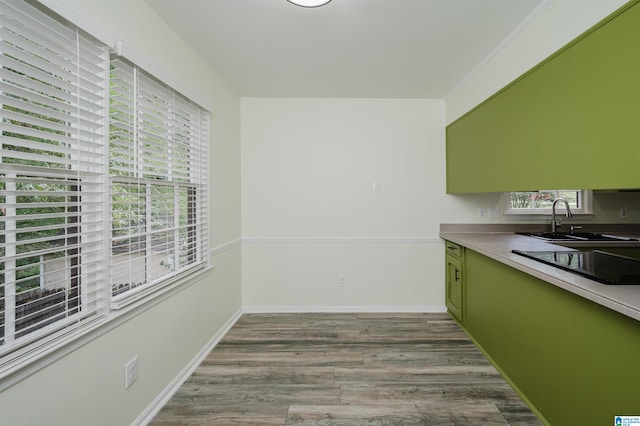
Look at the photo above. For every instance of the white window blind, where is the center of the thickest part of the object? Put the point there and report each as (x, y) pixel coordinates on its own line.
(53, 158)
(158, 168)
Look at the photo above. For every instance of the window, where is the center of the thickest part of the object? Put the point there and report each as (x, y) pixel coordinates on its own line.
(158, 167)
(51, 176)
(539, 202)
(103, 180)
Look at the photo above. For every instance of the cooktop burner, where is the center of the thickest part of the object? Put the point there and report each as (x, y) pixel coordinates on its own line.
(606, 268)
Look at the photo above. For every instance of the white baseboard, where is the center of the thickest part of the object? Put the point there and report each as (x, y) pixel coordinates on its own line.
(149, 413)
(343, 309)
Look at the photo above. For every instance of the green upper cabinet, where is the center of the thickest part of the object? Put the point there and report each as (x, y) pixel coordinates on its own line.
(573, 121)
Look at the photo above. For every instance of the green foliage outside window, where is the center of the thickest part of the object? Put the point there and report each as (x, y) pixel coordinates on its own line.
(543, 199)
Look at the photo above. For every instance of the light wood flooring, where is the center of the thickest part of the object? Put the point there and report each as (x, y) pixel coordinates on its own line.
(345, 369)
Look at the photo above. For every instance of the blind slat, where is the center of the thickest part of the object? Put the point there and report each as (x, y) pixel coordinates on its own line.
(32, 109)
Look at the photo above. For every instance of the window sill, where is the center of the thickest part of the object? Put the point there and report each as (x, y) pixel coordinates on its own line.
(546, 214)
(141, 296)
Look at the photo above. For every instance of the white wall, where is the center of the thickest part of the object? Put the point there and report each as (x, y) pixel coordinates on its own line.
(86, 387)
(310, 214)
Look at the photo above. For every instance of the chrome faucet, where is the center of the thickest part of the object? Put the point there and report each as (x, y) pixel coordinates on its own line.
(557, 224)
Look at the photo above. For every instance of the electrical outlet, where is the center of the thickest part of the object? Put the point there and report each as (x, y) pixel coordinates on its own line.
(130, 372)
(342, 281)
(482, 212)
(623, 213)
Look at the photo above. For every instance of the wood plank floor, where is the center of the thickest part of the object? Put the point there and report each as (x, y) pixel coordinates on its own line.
(345, 369)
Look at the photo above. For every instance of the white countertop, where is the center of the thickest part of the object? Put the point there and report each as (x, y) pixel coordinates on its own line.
(624, 299)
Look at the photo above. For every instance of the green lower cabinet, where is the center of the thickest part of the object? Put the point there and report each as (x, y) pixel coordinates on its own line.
(575, 362)
(454, 278)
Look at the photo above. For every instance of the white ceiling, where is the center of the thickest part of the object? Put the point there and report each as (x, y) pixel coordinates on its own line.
(348, 48)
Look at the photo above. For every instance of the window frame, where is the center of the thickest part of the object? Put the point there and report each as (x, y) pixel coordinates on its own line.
(585, 198)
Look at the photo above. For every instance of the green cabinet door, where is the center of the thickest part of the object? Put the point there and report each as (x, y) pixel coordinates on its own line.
(570, 123)
(574, 361)
(454, 281)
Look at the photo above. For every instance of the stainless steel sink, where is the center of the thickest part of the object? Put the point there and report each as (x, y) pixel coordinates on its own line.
(576, 236)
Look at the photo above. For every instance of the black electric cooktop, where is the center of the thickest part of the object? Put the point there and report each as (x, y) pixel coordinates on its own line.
(606, 268)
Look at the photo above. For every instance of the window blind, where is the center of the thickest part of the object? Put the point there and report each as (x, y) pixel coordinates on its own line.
(158, 169)
(53, 159)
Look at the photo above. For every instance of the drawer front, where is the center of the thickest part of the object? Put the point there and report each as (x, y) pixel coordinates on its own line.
(453, 249)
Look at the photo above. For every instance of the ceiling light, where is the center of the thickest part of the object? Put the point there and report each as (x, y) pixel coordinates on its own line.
(309, 3)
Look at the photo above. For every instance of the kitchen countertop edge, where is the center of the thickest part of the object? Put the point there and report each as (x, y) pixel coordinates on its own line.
(497, 242)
